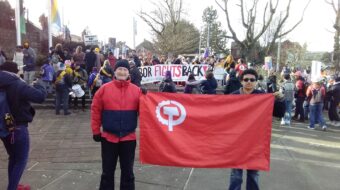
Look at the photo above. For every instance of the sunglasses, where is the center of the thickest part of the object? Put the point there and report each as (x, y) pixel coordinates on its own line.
(248, 79)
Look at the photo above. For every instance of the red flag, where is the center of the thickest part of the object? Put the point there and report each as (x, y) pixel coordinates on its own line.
(206, 131)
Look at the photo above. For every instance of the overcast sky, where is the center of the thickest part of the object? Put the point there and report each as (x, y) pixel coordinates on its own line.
(114, 18)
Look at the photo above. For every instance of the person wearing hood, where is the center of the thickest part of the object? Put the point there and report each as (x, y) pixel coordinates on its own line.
(209, 85)
(233, 83)
(19, 95)
(167, 85)
(115, 109)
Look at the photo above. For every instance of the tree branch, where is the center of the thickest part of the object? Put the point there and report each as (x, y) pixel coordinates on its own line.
(332, 4)
(242, 14)
(234, 36)
(299, 22)
(266, 24)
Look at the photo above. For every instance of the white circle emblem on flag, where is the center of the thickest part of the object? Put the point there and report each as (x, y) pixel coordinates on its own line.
(170, 111)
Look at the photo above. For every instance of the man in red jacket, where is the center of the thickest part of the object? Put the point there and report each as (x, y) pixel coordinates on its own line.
(115, 109)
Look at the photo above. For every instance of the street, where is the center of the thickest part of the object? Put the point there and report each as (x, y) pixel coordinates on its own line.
(64, 156)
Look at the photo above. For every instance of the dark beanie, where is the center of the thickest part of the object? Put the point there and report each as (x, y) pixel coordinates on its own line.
(10, 67)
(122, 63)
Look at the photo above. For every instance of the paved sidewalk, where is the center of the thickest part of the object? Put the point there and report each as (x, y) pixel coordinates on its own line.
(64, 157)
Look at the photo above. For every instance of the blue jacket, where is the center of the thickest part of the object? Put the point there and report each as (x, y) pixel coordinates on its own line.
(209, 86)
(48, 72)
(20, 95)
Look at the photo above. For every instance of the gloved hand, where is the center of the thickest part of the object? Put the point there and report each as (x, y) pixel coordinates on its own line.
(144, 90)
(97, 138)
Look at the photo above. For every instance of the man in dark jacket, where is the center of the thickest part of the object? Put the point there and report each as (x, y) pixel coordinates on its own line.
(135, 75)
(90, 60)
(248, 79)
(114, 112)
(232, 84)
(209, 86)
(334, 96)
(19, 95)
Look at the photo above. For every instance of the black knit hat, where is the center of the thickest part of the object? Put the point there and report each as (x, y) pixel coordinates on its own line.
(10, 67)
(122, 63)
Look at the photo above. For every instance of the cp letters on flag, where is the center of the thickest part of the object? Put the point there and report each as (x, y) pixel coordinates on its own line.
(206, 131)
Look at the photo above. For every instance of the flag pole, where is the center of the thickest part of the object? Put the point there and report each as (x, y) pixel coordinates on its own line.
(17, 22)
(49, 24)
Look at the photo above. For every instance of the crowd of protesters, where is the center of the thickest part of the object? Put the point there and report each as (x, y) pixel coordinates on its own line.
(70, 75)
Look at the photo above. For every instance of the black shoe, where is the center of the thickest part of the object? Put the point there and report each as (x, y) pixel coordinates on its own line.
(67, 113)
(57, 113)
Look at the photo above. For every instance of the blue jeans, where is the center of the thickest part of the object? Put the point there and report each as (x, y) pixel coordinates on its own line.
(18, 155)
(236, 179)
(306, 108)
(62, 95)
(288, 114)
(316, 115)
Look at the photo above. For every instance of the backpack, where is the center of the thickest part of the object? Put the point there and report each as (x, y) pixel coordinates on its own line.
(7, 124)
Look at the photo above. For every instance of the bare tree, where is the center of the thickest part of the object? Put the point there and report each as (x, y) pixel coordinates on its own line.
(336, 48)
(172, 33)
(249, 19)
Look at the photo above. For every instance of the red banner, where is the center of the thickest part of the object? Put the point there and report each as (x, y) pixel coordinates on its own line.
(206, 131)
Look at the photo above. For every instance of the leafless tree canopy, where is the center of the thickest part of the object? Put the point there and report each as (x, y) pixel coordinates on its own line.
(172, 33)
(250, 17)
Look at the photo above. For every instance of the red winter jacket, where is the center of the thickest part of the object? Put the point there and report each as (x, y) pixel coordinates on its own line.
(115, 108)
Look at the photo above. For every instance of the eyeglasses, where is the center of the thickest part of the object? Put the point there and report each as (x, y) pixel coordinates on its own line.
(249, 79)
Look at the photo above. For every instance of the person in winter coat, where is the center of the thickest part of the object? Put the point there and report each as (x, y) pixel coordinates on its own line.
(19, 95)
(232, 84)
(106, 72)
(47, 74)
(334, 96)
(93, 82)
(90, 60)
(29, 63)
(316, 94)
(167, 85)
(112, 59)
(114, 114)
(80, 77)
(79, 57)
(300, 96)
(63, 84)
(135, 75)
(288, 90)
(209, 85)
(192, 85)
